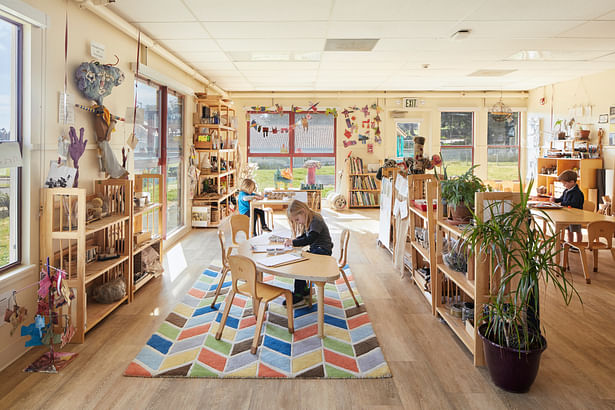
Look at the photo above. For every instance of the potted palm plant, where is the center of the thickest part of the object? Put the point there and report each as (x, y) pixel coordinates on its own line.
(523, 256)
(458, 192)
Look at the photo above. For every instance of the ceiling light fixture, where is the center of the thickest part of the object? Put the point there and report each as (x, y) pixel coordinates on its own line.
(350, 44)
(461, 34)
(500, 112)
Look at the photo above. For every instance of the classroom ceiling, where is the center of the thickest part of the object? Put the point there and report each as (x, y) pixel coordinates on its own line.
(276, 45)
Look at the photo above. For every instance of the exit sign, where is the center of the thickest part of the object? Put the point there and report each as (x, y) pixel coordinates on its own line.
(409, 102)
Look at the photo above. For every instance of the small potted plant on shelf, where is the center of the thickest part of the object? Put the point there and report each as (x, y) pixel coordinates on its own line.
(523, 256)
(458, 192)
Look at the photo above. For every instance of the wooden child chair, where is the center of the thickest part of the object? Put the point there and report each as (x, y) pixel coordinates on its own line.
(239, 223)
(244, 270)
(226, 252)
(341, 262)
(595, 231)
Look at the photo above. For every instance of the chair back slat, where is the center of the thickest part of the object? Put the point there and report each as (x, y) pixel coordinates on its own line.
(344, 238)
(225, 253)
(589, 206)
(239, 223)
(601, 229)
(243, 269)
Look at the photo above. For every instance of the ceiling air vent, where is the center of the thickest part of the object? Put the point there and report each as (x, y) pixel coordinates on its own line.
(350, 44)
(490, 73)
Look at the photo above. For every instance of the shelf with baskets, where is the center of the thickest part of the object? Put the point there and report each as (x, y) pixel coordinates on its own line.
(421, 231)
(463, 280)
(90, 239)
(147, 229)
(363, 187)
(214, 123)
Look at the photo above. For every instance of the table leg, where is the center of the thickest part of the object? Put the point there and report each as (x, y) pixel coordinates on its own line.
(250, 229)
(321, 309)
(558, 243)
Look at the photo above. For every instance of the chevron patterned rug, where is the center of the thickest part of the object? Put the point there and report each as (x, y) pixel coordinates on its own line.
(185, 346)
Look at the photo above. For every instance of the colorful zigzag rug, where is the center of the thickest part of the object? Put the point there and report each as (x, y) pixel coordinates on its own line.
(184, 345)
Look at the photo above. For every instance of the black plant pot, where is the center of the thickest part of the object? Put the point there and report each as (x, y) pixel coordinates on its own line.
(510, 370)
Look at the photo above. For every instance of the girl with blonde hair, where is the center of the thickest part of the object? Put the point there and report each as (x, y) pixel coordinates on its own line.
(309, 228)
(246, 194)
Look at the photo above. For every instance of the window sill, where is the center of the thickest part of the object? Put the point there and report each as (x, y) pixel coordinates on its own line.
(15, 275)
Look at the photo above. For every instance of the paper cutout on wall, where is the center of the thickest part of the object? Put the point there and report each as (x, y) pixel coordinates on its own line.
(349, 143)
(347, 134)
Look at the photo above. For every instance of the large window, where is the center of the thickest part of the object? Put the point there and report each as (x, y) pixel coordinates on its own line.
(457, 141)
(160, 146)
(10, 130)
(287, 140)
(174, 163)
(405, 132)
(503, 148)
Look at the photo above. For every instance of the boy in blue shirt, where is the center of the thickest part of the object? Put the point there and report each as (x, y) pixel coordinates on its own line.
(246, 195)
(572, 197)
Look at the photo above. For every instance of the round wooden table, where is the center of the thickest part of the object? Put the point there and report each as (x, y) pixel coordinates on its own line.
(319, 269)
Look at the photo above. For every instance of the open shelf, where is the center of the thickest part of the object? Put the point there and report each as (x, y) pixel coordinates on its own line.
(459, 279)
(95, 269)
(418, 212)
(98, 311)
(142, 281)
(419, 248)
(147, 208)
(103, 223)
(458, 327)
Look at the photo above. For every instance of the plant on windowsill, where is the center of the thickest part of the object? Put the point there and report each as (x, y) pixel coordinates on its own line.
(458, 192)
(523, 256)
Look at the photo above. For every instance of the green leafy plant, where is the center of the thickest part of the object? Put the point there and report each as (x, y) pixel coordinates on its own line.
(525, 256)
(461, 189)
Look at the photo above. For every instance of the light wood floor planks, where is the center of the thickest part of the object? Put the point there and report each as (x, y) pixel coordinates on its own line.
(431, 368)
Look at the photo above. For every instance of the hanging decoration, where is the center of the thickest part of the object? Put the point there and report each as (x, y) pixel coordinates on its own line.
(302, 122)
(367, 124)
(500, 112)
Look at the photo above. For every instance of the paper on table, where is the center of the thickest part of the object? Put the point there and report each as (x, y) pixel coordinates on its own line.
(280, 259)
(270, 248)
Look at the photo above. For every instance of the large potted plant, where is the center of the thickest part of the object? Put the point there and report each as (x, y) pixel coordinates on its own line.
(458, 192)
(522, 256)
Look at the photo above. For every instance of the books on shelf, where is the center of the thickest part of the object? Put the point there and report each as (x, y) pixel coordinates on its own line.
(356, 165)
(363, 182)
(361, 198)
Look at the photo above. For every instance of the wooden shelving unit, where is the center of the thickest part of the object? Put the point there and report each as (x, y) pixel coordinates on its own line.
(65, 238)
(422, 187)
(585, 168)
(214, 122)
(363, 187)
(474, 285)
(147, 218)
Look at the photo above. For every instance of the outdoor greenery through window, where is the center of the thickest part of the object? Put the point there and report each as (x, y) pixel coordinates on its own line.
(175, 141)
(503, 148)
(457, 141)
(10, 122)
(277, 142)
(405, 132)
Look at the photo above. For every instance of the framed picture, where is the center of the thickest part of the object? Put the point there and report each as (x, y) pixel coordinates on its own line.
(612, 138)
(612, 111)
(603, 118)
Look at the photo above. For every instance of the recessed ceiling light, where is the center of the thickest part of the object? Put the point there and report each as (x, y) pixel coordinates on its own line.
(490, 73)
(270, 56)
(350, 44)
(461, 34)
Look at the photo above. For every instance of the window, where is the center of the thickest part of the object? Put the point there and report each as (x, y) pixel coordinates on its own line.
(503, 148)
(10, 130)
(174, 163)
(405, 132)
(456, 141)
(160, 146)
(280, 141)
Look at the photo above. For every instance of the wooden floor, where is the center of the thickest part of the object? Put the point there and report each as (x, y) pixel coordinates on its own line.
(431, 369)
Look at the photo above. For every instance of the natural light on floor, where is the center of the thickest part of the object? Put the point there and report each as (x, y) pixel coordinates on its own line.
(176, 261)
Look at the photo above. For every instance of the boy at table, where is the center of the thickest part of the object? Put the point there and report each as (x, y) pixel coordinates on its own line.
(573, 198)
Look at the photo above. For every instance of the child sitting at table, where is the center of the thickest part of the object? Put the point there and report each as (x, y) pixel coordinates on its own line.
(246, 195)
(309, 228)
(572, 197)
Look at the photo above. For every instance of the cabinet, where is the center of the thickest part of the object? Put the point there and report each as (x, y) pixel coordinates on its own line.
(215, 140)
(454, 286)
(363, 187)
(420, 243)
(91, 253)
(147, 227)
(550, 168)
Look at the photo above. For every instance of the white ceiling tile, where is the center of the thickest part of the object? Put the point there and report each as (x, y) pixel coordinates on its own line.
(147, 10)
(606, 57)
(392, 56)
(281, 29)
(385, 10)
(272, 10)
(276, 65)
(511, 29)
(608, 16)
(218, 66)
(592, 29)
(352, 65)
(390, 29)
(203, 56)
(540, 10)
(191, 45)
(174, 31)
(279, 44)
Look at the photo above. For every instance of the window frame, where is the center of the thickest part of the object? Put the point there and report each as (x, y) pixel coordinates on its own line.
(19, 139)
(291, 139)
(471, 146)
(406, 120)
(518, 146)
